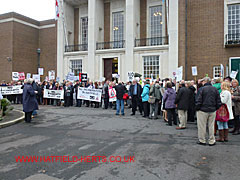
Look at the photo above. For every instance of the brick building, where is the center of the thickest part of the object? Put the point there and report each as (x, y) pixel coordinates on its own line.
(20, 37)
(151, 37)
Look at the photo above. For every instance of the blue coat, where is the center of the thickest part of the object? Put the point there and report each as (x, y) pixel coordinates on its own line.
(29, 99)
(145, 93)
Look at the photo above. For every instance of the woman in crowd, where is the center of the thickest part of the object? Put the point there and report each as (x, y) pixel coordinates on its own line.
(236, 106)
(145, 97)
(29, 100)
(227, 100)
(169, 99)
(156, 94)
(45, 86)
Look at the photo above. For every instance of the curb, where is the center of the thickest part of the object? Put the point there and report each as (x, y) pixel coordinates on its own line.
(9, 123)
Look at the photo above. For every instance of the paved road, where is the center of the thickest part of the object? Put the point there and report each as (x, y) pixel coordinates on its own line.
(160, 151)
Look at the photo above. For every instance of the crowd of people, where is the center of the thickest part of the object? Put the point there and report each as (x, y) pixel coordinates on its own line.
(212, 103)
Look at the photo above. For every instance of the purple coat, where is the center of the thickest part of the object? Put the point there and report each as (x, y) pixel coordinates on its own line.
(169, 98)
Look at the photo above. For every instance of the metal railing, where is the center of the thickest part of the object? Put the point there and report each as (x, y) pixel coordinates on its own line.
(110, 45)
(79, 47)
(232, 39)
(155, 41)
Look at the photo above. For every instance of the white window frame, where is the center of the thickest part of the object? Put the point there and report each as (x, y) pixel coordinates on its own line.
(120, 36)
(143, 58)
(82, 39)
(72, 69)
(214, 72)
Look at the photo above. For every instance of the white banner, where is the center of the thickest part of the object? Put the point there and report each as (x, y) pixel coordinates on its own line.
(112, 95)
(8, 90)
(89, 94)
(53, 94)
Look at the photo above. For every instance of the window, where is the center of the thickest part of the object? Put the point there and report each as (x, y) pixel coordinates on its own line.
(76, 66)
(216, 72)
(156, 25)
(151, 66)
(84, 30)
(118, 29)
(234, 22)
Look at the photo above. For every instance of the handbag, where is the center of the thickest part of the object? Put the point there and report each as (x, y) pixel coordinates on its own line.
(222, 114)
(152, 99)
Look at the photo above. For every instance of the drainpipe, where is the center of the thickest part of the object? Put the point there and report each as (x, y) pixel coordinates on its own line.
(186, 63)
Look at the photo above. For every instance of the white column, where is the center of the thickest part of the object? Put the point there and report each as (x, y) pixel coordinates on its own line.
(60, 46)
(91, 38)
(129, 40)
(173, 37)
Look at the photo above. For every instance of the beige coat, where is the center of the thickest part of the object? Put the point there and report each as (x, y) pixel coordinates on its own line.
(226, 98)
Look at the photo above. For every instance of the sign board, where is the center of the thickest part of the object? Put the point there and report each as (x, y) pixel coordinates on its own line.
(194, 70)
(112, 95)
(83, 77)
(130, 76)
(51, 75)
(58, 79)
(89, 94)
(21, 76)
(15, 76)
(179, 73)
(116, 76)
(36, 77)
(234, 74)
(53, 94)
(222, 71)
(8, 90)
(70, 77)
(40, 71)
(28, 75)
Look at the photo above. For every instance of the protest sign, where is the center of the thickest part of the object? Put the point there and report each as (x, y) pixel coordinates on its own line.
(83, 77)
(112, 95)
(28, 75)
(89, 94)
(234, 74)
(15, 76)
(53, 94)
(194, 70)
(51, 75)
(21, 76)
(179, 73)
(8, 90)
(130, 76)
(70, 77)
(40, 71)
(36, 77)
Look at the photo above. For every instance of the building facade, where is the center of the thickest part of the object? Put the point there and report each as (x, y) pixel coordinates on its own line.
(20, 37)
(150, 37)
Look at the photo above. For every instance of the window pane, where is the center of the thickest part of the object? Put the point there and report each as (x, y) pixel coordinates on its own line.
(151, 67)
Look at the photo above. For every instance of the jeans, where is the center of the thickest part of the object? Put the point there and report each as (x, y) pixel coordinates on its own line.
(222, 125)
(78, 102)
(120, 102)
(34, 112)
(154, 109)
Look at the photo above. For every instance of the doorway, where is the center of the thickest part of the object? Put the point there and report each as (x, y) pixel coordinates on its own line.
(235, 66)
(110, 67)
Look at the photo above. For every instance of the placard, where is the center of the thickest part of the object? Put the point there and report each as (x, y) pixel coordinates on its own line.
(8, 90)
(15, 76)
(28, 75)
(51, 75)
(40, 71)
(36, 77)
(234, 74)
(89, 94)
(112, 95)
(130, 76)
(179, 73)
(53, 94)
(83, 77)
(194, 70)
(21, 76)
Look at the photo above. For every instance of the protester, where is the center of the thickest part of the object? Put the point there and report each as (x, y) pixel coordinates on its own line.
(236, 106)
(135, 92)
(145, 97)
(169, 99)
(156, 94)
(78, 101)
(29, 100)
(182, 101)
(96, 86)
(120, 91)
(191, 109)
(207, 103)
(106, 94)
(223, 123)
(68, 91)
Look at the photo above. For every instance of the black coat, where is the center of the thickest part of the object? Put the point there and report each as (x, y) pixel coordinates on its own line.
(120, 90)
(139, 90)
(183, 98)
(29, 99)
(209, 99)
(192, 99)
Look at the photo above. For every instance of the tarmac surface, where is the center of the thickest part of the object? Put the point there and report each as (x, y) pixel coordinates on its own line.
(160, 151)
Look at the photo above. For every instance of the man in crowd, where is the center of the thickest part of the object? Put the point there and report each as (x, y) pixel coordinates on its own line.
(135, 92)
(182, 102)
(106, 95)
(120, 90)
(207, 104)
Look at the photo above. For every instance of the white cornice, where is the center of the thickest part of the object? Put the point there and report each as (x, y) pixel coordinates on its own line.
(26, 23)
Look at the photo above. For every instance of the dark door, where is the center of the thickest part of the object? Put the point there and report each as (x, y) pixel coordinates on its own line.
(235, 66)
(108, 69)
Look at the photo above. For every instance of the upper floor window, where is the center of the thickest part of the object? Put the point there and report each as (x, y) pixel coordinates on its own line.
(156, 24)
(118, 29)
(84, 22)
(234, 22)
